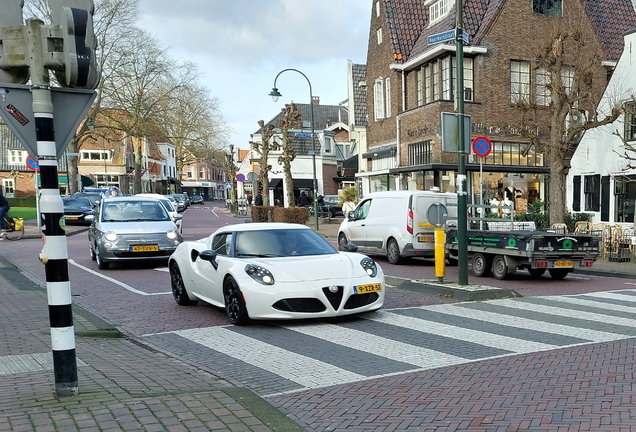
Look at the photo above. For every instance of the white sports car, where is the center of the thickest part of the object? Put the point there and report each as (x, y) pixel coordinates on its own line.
(275, 271)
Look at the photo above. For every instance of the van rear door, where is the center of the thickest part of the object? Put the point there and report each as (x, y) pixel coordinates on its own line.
(423, 230)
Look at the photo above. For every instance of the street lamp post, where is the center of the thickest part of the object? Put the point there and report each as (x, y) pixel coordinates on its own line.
(275, 94)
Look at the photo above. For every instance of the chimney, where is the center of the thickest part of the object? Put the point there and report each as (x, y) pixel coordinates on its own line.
(315, 100)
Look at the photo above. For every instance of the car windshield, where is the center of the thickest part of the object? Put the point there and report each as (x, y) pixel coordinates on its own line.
(133, 211)
(281, 243)
(76, 202)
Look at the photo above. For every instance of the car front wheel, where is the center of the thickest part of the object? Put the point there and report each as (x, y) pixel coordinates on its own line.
(342, 241)
(179, 291)
(100, 262)
(234, 304)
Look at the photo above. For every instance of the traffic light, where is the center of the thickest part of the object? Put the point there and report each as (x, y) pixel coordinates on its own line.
(75, 20)
(13, 62)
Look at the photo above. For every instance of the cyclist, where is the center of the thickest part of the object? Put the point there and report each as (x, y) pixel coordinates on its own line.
(4, 208)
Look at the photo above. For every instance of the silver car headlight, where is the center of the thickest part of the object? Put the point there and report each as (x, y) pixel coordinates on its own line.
(260, 274)
(369, 266)
(171, 235)
(110, 236)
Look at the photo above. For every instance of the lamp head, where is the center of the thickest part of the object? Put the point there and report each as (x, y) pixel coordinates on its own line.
(90, 124)
(275, 94)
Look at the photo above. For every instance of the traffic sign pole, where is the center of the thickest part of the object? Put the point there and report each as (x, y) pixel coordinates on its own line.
(462, 217)
(482, 148)
(54, 253)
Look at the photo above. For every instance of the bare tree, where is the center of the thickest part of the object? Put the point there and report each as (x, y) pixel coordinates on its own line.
(289, 120)
(141, 86)
(192, 120)
(575, 80)
(113, 24)
(263, 148)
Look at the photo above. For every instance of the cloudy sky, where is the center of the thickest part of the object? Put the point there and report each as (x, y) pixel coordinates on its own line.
(241, 45)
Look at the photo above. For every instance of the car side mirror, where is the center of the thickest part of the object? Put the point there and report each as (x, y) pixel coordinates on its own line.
(177, 217)
(209, 256)
(89, 218)
(350, 247)
(351, 216)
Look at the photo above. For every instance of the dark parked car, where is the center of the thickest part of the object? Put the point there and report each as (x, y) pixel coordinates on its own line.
(93, 197)
(196, 199)
(332, 205)
(76, 210)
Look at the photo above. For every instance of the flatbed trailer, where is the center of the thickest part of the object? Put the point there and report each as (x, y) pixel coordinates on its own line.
(503, 252)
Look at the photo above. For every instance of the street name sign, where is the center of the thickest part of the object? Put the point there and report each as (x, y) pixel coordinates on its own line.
(445, 36)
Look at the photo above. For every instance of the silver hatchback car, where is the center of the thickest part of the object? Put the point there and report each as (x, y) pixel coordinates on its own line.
(132, 229)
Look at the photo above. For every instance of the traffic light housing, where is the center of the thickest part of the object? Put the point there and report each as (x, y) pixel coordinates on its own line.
(79, 66)
(13, 53)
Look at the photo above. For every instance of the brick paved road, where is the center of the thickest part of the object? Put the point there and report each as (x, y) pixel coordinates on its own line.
(541, 363)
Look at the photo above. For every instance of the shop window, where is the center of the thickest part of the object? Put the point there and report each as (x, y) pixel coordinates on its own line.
(592, 191)
(514, 154)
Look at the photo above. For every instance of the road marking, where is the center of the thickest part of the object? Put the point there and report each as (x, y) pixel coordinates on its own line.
(115, 281)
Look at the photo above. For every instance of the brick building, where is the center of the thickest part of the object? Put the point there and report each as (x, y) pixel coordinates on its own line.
(411, 82)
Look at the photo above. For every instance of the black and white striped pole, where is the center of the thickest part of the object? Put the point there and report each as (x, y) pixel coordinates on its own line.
(54, 254)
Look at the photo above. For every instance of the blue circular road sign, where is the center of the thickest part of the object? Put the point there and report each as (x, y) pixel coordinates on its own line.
(482, 146)
(32, 164)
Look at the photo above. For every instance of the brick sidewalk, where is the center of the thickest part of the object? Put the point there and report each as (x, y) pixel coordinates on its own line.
(123, 386)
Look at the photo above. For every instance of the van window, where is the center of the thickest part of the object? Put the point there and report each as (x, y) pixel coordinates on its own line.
(363, 210)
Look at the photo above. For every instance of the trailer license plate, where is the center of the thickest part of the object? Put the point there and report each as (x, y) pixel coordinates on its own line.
(144, 248)
(369, 288)
(564, 263)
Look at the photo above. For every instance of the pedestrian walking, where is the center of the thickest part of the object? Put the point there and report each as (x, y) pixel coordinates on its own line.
(4, 208)
(348, 206)
(303, 200)
(249, 200)
(259, 199)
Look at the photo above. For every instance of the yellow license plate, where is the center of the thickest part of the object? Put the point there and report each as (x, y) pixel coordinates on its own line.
(426, 239)
(564, 263)
(72, 218)
(369, 288)
(144, 248)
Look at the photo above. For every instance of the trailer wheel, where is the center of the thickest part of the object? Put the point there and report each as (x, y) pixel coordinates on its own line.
(536, 272)
(559, 274)
(499, 267)
(481, 264)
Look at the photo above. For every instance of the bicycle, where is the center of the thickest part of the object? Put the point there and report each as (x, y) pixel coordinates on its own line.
(15, 228)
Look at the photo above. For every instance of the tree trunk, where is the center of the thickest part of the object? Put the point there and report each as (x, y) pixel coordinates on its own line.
(556, 191)
(138, 165)
(71, 168)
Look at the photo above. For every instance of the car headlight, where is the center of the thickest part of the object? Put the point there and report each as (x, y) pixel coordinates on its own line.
(259, 274)
(110, 236)
(171, 235)
(369, 266)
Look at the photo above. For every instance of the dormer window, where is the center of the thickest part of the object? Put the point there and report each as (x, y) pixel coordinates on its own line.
(437, 9)
(547, 7)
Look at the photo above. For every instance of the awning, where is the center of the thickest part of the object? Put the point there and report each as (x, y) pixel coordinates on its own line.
(174, 181)
(86, 181)
(298, 183)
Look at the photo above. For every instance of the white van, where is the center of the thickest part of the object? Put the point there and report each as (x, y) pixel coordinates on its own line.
(395, 224)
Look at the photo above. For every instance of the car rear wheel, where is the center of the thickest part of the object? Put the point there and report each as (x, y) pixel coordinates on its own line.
(100, 262)
(393, 251)
(179, 291)
(342, 241)
(234, 304)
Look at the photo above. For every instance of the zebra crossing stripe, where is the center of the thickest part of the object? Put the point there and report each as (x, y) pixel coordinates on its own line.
(391, 349)
(494, 341)
(294, 367)
(477, 311)
(625, 325)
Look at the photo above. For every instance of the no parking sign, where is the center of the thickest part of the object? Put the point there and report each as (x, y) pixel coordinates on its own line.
(482, 146)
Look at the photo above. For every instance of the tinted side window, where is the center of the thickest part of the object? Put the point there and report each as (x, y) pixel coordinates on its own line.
(363, 210)
(222, 244)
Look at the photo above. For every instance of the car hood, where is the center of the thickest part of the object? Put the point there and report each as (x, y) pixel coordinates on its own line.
(317, 267)
(134, 227)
